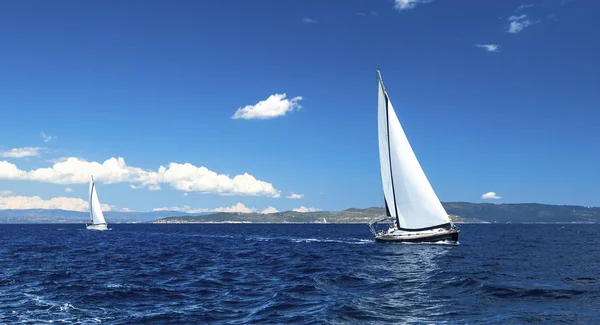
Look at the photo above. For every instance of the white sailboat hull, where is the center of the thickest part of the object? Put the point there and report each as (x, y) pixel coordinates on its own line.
(419, 236)
(99, 227)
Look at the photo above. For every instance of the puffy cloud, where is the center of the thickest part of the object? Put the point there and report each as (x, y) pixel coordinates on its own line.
(274, 106)
(47, 138)
(184, 177)
(295, 196)
(183, 208)
(189, 178)
(304, 209)
(518, 23)
(408, 4)
(77, 171)
(239, 207)
(490, 195)
(10, 171)
(236, 208)
(269, 210)
(35, 202)
(68, 190)
(489, 47)
(21, 152)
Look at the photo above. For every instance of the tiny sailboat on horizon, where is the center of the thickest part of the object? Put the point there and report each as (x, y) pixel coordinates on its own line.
(96, 217)
(413, 209)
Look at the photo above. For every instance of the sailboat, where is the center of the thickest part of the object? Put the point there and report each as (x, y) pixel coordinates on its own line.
(413, 210)
(96, 216)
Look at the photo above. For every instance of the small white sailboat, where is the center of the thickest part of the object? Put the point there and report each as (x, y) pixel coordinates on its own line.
(412, 207)
(96, 216)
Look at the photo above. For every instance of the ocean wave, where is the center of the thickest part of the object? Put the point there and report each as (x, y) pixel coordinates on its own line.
(291, 274)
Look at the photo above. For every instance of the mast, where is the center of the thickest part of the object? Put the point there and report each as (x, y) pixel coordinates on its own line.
(387, 122)
(91, 193)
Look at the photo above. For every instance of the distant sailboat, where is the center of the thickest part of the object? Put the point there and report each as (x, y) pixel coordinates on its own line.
(415, 212)
(96, 216)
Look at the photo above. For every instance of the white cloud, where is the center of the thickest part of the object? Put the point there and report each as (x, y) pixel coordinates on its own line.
(47, 138)
(189, 178)
(269, 210)
(518, 23)
(274, 106)
(408, 4)
(6, 193)
(184, 177)
(361, 14)
(490, 195)
(35, 202)
(239, 207)
(183, 208)
(304, 209)
(56, 160)
(295, 196)
(307, 20)
(489, 47)
(374, 13)
(523, 7)
(10, 171)
(78, 171)
(21, 152)
(153, 187)
(68, 190)
(185, 194)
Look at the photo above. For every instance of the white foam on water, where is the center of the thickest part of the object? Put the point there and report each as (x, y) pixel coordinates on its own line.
(113, 285)
(66, 306)
(441, 242)
(354, 241)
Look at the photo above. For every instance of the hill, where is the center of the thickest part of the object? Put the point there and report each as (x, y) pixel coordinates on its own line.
(460, 212)
(66, 216)
(524, 212)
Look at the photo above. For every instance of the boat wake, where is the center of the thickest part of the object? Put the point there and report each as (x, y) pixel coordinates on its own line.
(441, 242)
(353, 241)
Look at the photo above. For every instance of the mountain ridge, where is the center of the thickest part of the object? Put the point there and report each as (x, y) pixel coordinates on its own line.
(460, 212)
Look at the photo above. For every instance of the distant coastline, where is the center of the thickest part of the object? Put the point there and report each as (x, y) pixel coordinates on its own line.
(460, 212)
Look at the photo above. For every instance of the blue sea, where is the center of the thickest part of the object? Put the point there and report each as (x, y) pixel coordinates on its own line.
(296, 274)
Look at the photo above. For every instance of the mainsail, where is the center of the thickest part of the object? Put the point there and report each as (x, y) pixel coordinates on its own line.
(409, 197)
(95, 210)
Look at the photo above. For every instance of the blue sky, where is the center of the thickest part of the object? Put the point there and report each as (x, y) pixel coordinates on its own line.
(495, 96)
